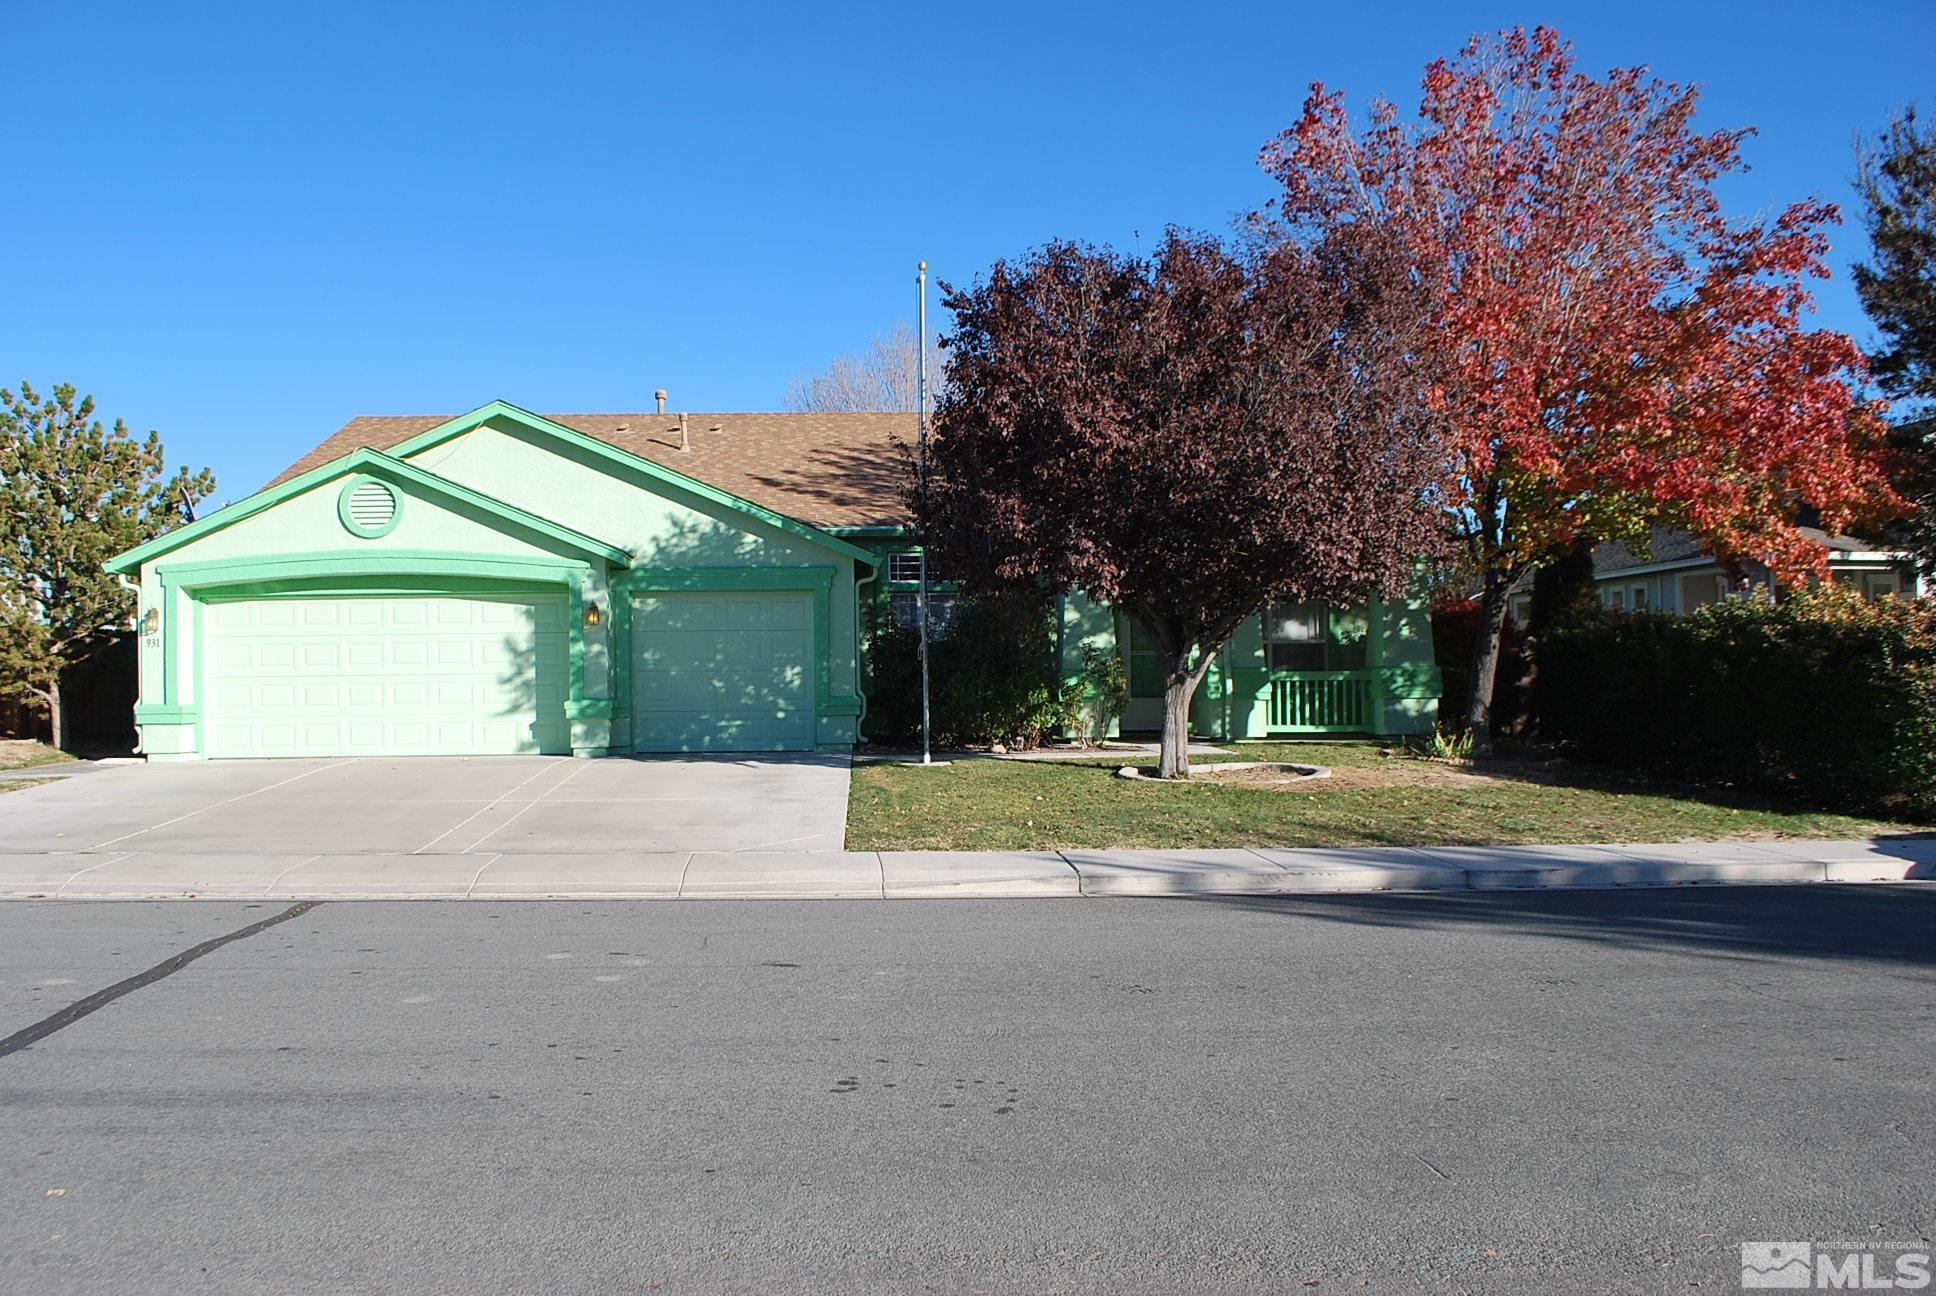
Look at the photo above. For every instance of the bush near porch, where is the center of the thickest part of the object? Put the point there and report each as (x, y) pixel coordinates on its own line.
(993, 676)
(1824, 700)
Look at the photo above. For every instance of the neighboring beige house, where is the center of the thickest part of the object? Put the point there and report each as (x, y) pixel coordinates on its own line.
(1678, 575)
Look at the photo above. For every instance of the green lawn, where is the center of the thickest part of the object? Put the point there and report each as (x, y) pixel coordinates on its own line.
(1378, 801)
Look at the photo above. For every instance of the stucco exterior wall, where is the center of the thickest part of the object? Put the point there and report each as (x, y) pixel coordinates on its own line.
(659, 525)
(1407, 684)
(1082, 623)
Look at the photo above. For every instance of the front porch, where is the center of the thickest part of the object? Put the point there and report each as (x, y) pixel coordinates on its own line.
(1298, 669)
(1321, 702)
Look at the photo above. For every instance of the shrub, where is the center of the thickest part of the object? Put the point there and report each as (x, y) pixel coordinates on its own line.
(994, 677)
(1825, 698)
(1444, 743)
(1098, 697)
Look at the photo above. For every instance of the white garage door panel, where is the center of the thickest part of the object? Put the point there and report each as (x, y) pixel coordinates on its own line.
(722, 672)
(386, 677)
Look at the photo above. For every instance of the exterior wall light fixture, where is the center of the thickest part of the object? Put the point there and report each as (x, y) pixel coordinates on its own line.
(593, 613)
(151, 622)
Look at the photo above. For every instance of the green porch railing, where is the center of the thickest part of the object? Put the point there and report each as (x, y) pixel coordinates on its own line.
(1320, 701)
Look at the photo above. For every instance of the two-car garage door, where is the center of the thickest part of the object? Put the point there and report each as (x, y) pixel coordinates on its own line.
(370, 676)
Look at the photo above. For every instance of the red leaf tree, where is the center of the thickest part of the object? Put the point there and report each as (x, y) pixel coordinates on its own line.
(1615, 350)
(1186, 437)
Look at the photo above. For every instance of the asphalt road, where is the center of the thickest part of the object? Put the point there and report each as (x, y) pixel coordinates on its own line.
(1558, 1092)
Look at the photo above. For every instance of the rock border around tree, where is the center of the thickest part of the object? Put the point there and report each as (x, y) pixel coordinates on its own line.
(1294, 773)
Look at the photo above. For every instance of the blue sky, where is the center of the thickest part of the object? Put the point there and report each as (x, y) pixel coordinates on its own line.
(243, 224)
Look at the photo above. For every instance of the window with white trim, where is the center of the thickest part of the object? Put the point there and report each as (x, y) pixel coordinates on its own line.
(904, 567)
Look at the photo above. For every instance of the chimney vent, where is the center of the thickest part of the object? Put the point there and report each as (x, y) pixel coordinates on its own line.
(660, 396)
(685, 437)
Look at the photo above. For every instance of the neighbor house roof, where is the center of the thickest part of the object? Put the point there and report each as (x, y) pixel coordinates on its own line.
(827, 470)
(1666, 545)
(1670, 545)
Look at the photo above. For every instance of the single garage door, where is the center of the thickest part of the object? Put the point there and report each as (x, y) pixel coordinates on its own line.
(386, 676)
(722, 672)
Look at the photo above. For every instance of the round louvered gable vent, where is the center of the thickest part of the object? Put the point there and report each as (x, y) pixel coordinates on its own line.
(369, 507)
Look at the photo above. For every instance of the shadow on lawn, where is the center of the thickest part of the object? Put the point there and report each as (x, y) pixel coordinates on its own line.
(1861, 923)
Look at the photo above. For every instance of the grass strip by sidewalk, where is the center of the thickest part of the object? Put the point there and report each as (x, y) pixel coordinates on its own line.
(1047, 805)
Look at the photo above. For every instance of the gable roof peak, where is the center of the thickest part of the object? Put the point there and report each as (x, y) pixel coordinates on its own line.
(821, 469)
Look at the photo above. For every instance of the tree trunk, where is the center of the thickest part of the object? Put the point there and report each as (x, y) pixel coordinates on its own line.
(54, 711)
(1485, 659)
(1179, 686)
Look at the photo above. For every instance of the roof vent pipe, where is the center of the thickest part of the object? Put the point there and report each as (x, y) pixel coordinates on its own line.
(685, 439)
(660, 396)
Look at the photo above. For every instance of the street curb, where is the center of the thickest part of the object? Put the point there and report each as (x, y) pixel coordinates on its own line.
(971, 875)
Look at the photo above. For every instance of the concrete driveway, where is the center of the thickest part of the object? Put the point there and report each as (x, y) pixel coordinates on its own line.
(441, 806)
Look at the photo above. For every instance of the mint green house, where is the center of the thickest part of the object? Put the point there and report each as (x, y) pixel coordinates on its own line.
(505, 582)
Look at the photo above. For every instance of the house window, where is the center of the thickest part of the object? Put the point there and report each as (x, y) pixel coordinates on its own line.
(1639, 597)
(906, 611)
(904, 567)
(1617, 598)
(1294, 635)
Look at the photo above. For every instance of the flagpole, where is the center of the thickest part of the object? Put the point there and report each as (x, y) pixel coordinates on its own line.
(921, 480)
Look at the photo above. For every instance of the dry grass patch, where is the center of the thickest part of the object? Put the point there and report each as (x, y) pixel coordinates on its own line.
(25, 753)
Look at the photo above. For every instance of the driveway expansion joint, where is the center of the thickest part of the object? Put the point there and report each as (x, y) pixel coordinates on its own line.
(227, 801)
(480, 873)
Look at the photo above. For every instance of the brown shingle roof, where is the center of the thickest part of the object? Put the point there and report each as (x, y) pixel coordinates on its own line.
(827, 470)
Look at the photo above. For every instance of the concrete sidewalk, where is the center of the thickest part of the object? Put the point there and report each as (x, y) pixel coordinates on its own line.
(895, 875)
